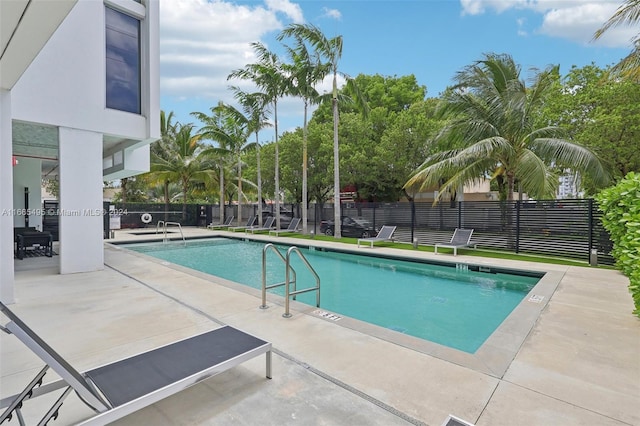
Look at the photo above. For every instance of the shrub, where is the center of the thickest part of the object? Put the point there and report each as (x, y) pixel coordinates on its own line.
(621, 207)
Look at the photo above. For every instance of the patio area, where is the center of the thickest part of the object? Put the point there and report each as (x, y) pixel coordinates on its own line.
(578, 365)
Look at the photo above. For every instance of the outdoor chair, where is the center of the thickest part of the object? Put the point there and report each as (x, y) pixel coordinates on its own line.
(250, 223)
(226, 224)
(123, 387)
(385, 234)
(266, 226)
(293, 227)
(34, 239)
(461, 238)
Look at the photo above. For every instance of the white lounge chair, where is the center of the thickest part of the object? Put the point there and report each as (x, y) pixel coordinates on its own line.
(123, 387)
(226, 224)
(293, 227)
(385, 234)
(266, 226)
(461, 238)
(250, 222)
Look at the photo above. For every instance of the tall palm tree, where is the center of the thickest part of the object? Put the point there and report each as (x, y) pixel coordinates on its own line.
(232, 132)
(183, 162)
(627, 14)
(219, 155)
(306, 71)
(331, 50)
(268, 75)
(492, 131)
(168, 130)
(256, 109)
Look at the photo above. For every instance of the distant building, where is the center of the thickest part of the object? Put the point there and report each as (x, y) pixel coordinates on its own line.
(569, 186)
(80, 102)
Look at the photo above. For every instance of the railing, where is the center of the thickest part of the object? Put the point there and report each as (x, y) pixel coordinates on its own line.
(288, 281)
(266, 287)
(164, 230)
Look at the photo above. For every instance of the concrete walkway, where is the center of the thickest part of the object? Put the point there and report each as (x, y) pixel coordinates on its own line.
(578, 365)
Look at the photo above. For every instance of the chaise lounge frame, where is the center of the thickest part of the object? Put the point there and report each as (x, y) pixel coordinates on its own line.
(293, 227)
(461, 238)
(385, 234)
(226, 224)
(266, 226)
(123, 387)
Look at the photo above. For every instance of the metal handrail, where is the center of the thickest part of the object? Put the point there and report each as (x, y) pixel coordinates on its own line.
(265, 287)
(164, 230)
(288, 293)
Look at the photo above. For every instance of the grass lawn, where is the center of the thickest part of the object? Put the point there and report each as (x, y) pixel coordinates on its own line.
(496, 254)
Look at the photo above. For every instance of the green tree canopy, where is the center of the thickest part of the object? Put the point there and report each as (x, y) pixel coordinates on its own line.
(493, 131)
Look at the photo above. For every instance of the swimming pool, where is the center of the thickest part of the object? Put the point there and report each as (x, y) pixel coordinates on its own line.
(454, 306)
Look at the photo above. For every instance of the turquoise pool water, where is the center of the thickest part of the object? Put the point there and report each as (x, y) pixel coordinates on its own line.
(456, 307)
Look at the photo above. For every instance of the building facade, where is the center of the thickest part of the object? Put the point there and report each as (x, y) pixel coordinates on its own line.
(79, 102)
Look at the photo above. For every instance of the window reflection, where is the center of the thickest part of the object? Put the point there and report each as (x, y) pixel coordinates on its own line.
(123, 61)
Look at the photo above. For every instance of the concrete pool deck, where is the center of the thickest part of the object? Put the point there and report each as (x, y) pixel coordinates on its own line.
(577, 366)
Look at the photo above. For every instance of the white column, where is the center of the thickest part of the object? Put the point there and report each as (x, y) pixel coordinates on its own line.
(6, 199)
(80, 222)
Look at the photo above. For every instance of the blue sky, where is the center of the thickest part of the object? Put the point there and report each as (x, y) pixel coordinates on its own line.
(202, 41)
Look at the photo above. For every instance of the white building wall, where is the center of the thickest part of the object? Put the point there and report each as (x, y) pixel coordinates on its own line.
(65, 84)
(80, 220)
(6, 200)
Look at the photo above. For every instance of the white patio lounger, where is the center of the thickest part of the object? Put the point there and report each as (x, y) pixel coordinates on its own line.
(267, 225)
(250, 222)
(226, 224)
(123, 387)
(293, 227)
(385, 234)
(461, 238)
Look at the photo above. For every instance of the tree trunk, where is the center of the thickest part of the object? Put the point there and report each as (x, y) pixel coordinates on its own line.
(277, 171)
(305, 132)
(123, 189)
(239, 186)
(185, 188)
(166, 200)
(511, 237)
(337, 214)
(259, 180)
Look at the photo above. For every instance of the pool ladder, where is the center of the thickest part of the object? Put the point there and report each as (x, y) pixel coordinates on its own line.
(290, 278)
(164, 230)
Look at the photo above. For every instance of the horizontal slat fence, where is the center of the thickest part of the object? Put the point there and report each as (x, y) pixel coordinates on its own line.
(564, 228)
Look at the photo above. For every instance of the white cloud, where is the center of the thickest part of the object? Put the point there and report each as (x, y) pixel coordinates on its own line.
(575, 20)
(292, 10)
(202, 41)
(579, 23)
(331, 13)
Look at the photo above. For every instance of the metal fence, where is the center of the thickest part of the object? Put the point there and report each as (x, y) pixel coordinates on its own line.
(565, 228)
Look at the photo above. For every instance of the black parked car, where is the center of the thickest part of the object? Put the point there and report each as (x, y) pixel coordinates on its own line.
(357, 228)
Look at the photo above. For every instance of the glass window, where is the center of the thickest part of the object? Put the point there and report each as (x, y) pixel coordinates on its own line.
(123, 61)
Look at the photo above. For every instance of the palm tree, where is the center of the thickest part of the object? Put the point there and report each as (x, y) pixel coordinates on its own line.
(232, 132)
(492, 131)
(268, 75)
(331, 50)
(256, 110)
(183, 162)
(218, 155)
(627, 14)
(168, 131)
(306, 71)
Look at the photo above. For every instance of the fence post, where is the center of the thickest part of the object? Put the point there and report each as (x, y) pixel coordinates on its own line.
(517, 226)
(374, 215)
(460, 214)
(413, 218)
(590, 225)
